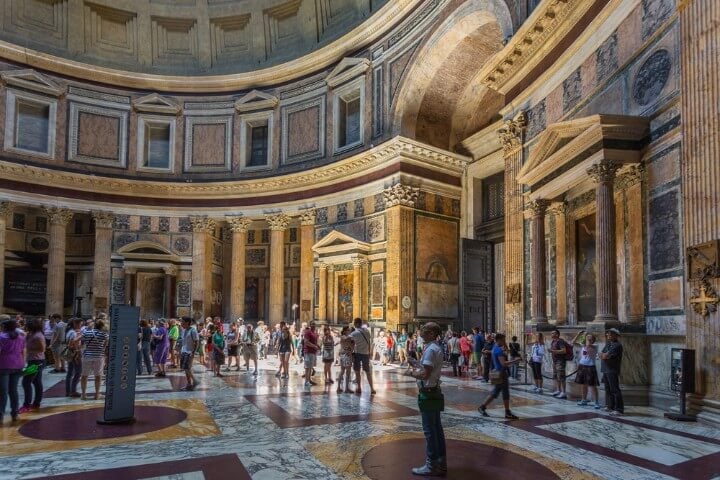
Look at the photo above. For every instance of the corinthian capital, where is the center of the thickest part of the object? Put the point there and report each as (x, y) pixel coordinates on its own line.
(239, 224)
(538, 207)
(632, 177)
(103, 219)
(202, 224)
(58, 216)
(603, 172)
(307, 216)
(511, 133)
(278, 221)
(401, 195)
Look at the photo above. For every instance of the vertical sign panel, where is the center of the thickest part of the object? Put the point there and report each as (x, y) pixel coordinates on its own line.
(122, 364)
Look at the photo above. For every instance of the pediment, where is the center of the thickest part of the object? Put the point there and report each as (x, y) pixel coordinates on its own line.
(144, 248)
(347, 69)
(156, 103)
(31, 80)
(337, 241)
(256, 100)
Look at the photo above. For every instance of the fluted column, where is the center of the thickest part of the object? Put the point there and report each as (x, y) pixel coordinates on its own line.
(278, 224)
(322, 293)
(130, 276)
(59, 218)
(606, 271)
(538, 262)
(5, 209)
(560, 212)
(201, 264)
(511, 135)
(239, 226)
(170, 273)
(307, 238)
(631, 183)
(358, 264)
(102, 259)
(330, 290)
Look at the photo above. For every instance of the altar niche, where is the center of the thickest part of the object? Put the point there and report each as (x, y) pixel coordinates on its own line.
(585, 267)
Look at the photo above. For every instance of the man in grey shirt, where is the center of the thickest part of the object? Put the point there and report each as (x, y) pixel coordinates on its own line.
(361, 356)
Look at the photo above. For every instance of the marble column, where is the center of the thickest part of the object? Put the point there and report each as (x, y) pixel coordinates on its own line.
(358, 284)
(538, 262)
(322, 293)
(605, 255)
(170, 273)
(201, 288)
(102, 259)
(58, 218)
(130, 277)
(307, 280)
(631, 182)
(560, 211)
(278, 224)
(330, 300)
(512, 137)
(400, 269)
(5, 209)
(239, 226)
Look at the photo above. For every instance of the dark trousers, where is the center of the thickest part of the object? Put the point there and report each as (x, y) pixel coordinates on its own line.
(454, 357)
(74, 369)
(33, 382)
(613, 395)
(486, 367)
(434, 437)
(143, 355)
(9, 389)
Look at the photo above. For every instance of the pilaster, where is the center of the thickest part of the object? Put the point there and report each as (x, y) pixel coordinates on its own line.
(58, 219)
(358, 284)
(5, 210)
(278, 223)
(102, 259)
(538, 262)
(201, 288)
(307, 280)
(239, 227)
(560, 212)
(322, 293)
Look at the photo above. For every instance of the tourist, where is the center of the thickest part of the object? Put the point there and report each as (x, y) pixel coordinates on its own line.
(285, 349)
(347, 345)
(217, 340)
(328, 354)
(419, 343)
(427, 372)
(402, 342)
(35, 356)
(12, 345)
(310, 349)
(94, 342)
(232, 338)
(260, 345)
(558, 348)
(453, 346)
(190, 345)
(537, 355)
(73, 356)
(412, 347)
(514, 353)
(465, 349)
(362, 339)
(57, 343)
(500, 364)
(487, 356)
(275, 344)
(611, 361)
(296, 344)
(377, 347)
(143, 355)
(206, 335)
(390, 347)
(173, 335)
(587, 376)
(162, 348)
(250, 340)
(478, 345)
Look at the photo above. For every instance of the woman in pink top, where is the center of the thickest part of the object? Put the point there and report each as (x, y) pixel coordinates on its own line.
(465, 349)
(12, 345)
(35, 354)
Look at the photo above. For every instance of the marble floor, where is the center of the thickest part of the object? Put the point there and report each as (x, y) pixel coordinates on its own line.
(245, 427)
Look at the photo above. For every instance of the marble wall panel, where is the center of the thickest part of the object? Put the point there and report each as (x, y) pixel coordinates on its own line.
(303, 127)
(629, 35)
(536, 120)
(98, 136)
(437, 250)
(606, 58)
(665, 294)
(355, 229)
(664, 231)
(666, 325)
(664, 169)
(554, 105)
(572, 90)
(660, 349)
(654, 14)
(208, 145)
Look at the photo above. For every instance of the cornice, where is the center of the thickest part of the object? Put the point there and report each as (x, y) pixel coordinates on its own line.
(380, 23)
(395, 150)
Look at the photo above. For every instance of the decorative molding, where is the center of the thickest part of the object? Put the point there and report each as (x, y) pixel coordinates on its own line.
(400, 195)
(58, 216)
(630, 177)
(238, 224)
(14, 101)
(603, 172)
(348, 69)
(31, 80)
(278, 221)
(359, 261)
(559, 208)
(203, 224)
(156, 103)
(307, 216)
(511, 133)
(256, 100)
(538, 207)
(103, 219)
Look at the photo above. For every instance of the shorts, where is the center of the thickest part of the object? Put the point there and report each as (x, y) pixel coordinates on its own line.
(587, 375)
(537, 370)
(249, 352)
(186, 361)
(310, 360)
(346, 360)
(477, 358)
(361, 359)
(93, 366)
(559, 370)
(503, 388)
(232, 350)
(218, 357)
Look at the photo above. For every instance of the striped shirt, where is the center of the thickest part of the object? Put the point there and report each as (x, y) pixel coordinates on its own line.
(94, 342)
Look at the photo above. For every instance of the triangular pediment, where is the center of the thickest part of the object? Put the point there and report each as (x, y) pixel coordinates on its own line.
(144, 248)
(31, 80)
(156, 103)
(347, 69)
(335, 241)
(256, 100)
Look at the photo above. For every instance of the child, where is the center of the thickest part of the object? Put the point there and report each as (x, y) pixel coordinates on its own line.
(347, 345)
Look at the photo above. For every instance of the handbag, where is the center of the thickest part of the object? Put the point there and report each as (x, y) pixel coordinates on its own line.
(30, 370)
(431, 400)
(496, 377)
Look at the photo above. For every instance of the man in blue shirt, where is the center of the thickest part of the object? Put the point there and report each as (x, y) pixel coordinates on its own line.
(501, 364)
(478, 344)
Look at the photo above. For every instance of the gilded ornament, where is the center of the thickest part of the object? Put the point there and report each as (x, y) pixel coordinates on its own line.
(704, 299)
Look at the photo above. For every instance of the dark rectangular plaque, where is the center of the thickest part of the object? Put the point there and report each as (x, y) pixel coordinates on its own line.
(122, 364)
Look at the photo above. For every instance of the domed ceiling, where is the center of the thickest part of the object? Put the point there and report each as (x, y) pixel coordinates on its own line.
(182, 37)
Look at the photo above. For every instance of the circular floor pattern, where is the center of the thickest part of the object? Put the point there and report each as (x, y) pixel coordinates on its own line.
(82, 424)
(393, 460)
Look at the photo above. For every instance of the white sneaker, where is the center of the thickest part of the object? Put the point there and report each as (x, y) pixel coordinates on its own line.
(556, 393)
(615, 413)
(308, 384)
(562, 395)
